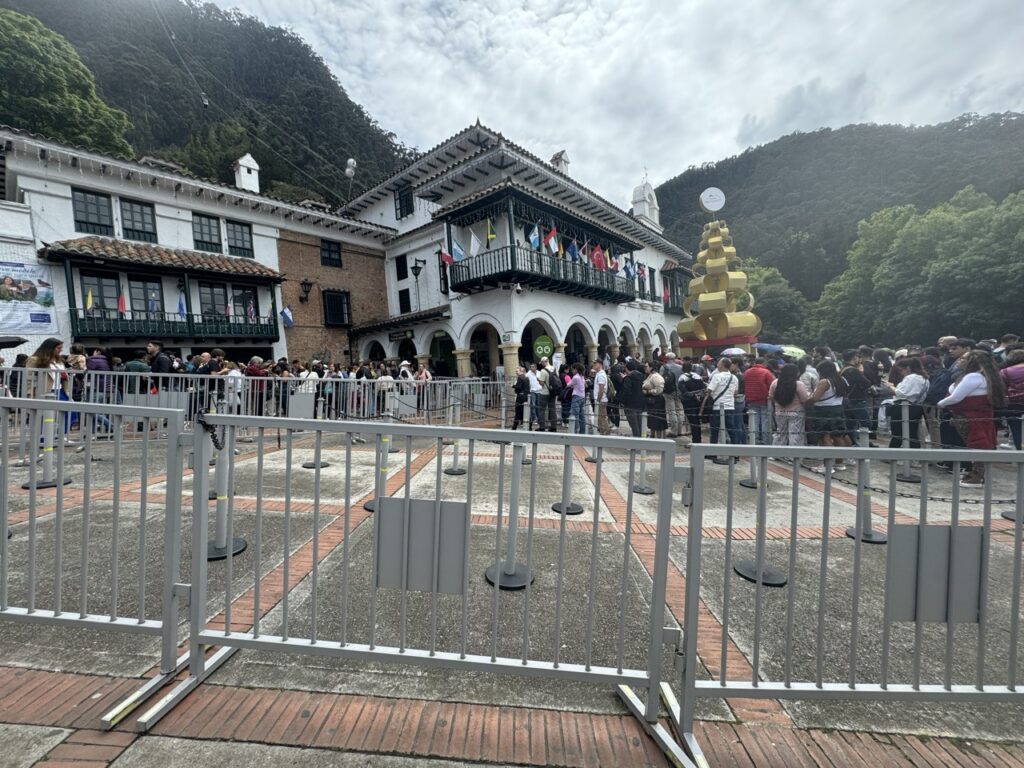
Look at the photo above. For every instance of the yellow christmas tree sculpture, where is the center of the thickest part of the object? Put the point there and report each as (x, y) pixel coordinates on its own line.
(714, 292)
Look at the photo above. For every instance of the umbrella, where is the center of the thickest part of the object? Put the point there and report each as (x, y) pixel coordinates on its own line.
(765, 347)
(733, 351)
(791, 351)
(9, 342)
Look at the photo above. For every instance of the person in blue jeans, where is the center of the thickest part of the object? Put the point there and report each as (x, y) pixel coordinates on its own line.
(721, 399)
(578, 385)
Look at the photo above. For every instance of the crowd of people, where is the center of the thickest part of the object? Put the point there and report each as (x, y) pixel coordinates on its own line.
(959, 392)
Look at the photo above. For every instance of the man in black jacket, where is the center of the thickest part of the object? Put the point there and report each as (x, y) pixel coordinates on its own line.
(521, 387)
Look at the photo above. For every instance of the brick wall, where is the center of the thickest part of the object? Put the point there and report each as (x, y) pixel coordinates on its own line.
(361, 274)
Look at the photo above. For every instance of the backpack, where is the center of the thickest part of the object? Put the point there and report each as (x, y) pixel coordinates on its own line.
(685, 393)
(670, 384)
(609, 389)
(1014, 392)
(555, 384)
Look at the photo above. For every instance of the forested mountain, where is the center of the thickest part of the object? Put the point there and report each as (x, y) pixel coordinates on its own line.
(233, 85)
(795, 203)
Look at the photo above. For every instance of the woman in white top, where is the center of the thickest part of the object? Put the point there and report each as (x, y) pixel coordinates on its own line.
(975, 398)
(908, 384)
(828, 417)
(786, 396)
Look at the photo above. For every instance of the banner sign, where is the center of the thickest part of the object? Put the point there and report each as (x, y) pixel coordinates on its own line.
(26, 298)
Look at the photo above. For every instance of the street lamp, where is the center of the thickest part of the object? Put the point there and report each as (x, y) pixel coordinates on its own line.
(417, 268)
(306, 286)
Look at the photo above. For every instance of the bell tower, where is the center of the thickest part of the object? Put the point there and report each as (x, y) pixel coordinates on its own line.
(645, 206)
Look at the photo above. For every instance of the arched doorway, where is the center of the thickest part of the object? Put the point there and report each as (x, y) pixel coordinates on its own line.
(442, 354)
(375, 352)
(533, 331)
(673, 339)
(604, 340)
(643, 344)
(659, 336)
(483, 350)
(407, 351)
(576, 345)
(627, 341)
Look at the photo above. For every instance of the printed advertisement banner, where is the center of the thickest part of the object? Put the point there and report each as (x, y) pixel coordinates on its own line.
(26, 299)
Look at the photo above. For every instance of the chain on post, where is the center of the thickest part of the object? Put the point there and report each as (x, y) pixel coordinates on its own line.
(218, 441)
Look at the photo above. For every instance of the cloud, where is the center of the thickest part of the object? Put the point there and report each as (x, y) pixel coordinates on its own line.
(624, 84)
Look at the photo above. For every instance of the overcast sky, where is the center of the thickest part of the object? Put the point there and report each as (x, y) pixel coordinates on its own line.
(624, 84)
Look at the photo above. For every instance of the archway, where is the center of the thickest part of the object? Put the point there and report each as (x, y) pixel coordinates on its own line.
(627, 340)
(483, 347)
(375, 352)
(673, 339)
(442, 353)
(605, 338)
(643, 344)
(407, 350)
(533, 331)
(659, 334)
(576, 341)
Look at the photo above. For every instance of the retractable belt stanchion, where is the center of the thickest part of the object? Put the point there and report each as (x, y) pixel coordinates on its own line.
(751, 482)
(722, 434)
(867, 534)
(510, 574)
(906, 476)
(318, 463)
(48, 436)
(221, 545)
(641, 486)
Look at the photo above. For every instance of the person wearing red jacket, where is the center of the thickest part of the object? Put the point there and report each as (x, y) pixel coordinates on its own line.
(756, 381)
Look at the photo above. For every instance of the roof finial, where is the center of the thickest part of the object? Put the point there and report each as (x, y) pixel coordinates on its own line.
(478, 121)
(645, 173)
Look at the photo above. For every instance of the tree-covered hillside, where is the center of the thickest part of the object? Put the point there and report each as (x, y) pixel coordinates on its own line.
(795, 203)
(233, 85)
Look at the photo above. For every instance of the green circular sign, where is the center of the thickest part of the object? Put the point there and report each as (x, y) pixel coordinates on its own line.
(543, 346)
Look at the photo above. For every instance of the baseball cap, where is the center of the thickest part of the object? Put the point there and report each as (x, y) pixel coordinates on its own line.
(670, 355)
(707, 357)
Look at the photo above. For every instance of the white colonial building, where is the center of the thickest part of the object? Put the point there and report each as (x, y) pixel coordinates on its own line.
(481, 198)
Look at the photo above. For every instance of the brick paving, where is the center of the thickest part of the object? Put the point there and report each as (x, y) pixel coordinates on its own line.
(763, 733)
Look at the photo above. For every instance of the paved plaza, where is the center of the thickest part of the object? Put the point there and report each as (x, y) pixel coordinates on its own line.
(267, 707)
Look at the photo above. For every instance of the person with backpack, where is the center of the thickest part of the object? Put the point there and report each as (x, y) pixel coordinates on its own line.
(554, 387)
(720, 403)
(1013, 380)
(828, 419)
(691, 388)
(858, 413)
(675, 417)
(544, 381)
(602, 394)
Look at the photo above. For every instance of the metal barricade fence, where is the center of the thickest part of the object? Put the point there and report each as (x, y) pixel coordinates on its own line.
(935, 615)
(90, 544)
(413, 583)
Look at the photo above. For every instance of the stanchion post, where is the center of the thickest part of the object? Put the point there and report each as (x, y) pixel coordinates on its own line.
(450, 409)
(219, 547)
(751, 482)
(722, 434)
(48, 433)
(513, 575)
(906, 476)
(867, 533)
(767, 575)
(591, 429)
(317, 462)
(641, 486)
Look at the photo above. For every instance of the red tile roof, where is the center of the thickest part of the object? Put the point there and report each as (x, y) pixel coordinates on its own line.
(126, 252)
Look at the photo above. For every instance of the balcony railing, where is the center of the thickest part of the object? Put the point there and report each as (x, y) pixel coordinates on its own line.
(108, 323)
(541, 270)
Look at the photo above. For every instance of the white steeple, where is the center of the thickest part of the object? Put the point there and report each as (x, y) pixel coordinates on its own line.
(247, 173)
(645, 206)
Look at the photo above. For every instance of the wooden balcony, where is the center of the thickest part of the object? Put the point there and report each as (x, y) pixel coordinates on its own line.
(108, 323)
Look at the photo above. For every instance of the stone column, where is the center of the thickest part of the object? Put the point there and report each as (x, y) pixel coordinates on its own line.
(613, 352)
(560, 351)
(631, 349)
(423, 358)
(510, 359)
(591, 353)
(462, 366)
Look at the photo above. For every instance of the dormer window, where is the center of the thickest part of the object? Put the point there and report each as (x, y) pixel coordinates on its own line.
(403, 202)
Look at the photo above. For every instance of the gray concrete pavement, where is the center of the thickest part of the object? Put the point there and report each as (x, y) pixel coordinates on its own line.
(23, 745)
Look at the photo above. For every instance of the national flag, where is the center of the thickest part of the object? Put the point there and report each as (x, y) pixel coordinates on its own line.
(122, 309)
(613, 262)
(573, 251)
(664, 294)
(551, 239)
(250, 310)
(597, 257)
(535, 237)
(474, 243)
(561, 248)
(446, 258)
(227, 309)
(286, 316)
(88, 299)
(457, 252)
(641, 271)
(490, 232)
(181, 305)
(629, 269)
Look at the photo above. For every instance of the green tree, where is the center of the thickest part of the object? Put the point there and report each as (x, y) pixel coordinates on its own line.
(45, 88)
(782, 309)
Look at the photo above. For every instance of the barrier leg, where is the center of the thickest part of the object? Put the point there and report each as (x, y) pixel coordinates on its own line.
(863, 525)
(906, 476)
(570, 507)
(450, 409)
(640, 486)
(382, 465)
(592, 458)
(48, 433)
(317, 463)
(513, 575)
(751, 482)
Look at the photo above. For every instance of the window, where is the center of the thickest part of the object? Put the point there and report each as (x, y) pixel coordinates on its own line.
(138, 222)
(146, 296)
(206, 233)
(330, 253)
(401, 267)
(103, 289)
(654, 285)
(245, 303)
(403, 202)
(213, 299)
(404, 305)
(337, 309)
(442, 270)
(641, 290)
(92, 213)
(240, 239)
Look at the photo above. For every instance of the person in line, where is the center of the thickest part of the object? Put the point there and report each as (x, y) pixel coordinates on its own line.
(616, 374)
(632, 397)
(1013, 381)
(908, 384)
(858, 412)
(976, 397)
(521, 388)
(787, 396)
(578, 387)
(757, 380)
(544, 377)
(691, 387)
(535, 390)
(828, 418)
(555, 385)
(601, 397)
(675, 415)
(654, 400)
(101, 388)
(720, 403)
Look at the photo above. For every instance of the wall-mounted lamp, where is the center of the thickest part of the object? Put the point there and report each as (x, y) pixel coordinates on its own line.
(417, 267)
(306, 286)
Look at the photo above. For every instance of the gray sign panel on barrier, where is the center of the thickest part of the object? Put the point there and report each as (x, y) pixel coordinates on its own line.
(451, 554)
(920, 560)
(301, 404)
(405, 403)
